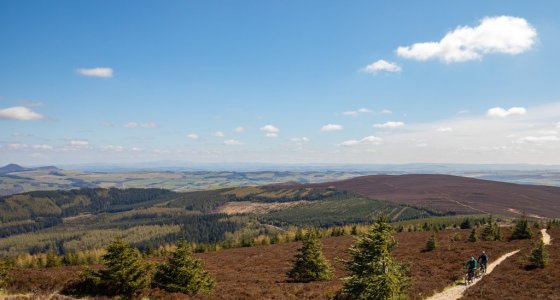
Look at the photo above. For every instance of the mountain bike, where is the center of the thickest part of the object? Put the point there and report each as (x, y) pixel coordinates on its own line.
(482, 270)
(469, 278)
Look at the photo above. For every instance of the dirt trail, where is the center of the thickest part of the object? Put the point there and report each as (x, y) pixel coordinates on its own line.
(545, 237)
(456, 292)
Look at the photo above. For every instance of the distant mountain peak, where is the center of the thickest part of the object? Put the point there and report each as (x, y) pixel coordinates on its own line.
(11, 168)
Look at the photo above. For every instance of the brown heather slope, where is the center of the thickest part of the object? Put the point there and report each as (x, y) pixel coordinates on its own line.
(456, 194)
(512, 280)
(259, 272)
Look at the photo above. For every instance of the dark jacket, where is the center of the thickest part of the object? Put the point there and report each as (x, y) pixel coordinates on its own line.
(483, 259)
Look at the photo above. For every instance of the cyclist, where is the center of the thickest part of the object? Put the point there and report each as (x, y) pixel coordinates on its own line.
(471, 267)
(483, 261)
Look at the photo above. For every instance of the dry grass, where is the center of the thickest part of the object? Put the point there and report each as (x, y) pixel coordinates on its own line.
(243, 207)
(259, 272)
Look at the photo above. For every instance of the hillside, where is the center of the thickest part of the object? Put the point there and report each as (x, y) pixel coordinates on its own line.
(536, 283)
(259, 272)
(448, 193)
(82, 219)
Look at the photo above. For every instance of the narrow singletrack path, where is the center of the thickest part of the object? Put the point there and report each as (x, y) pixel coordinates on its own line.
(456, 292)
(545, 237)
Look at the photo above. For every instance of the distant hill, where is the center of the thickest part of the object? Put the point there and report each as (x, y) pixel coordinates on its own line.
(454, 193)
(11, 168)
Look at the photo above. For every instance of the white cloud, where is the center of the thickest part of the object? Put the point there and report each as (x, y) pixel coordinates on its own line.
(502, 113)
(444, 129)
(193, 136)
(368, 140)
(20, 113)
(96, 72)
(331, 127)
(136, 149)
(381, 65)
(239, 129)
(232, 142)
(270, 129)
(386, 112)
(79, 143)
(356, 112)
(219, 134)
(271, 135)
(390, 124)
(503, 34)
(558, 125)
(538, 139)
(140, 125)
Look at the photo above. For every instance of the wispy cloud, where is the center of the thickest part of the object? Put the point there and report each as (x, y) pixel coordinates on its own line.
(232, 143)
(389, 125)
(193, 136)
(28, 103)
(113, 148)
(79, 143)
(42, 147)
(368, 140)
(140, 125)
(538, 139)
(386, 111)
(299, 140)
(219, 134)
(503, 34)
(381, 66)
(444, 129)
(96, 72)
(20, 113)
(331, 127)
(239, 129)
(356, 112)
(503, 113)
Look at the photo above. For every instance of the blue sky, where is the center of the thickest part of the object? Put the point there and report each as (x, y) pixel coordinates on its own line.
(282, 81)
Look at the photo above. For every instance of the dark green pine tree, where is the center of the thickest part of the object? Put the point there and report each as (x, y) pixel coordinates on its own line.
(373, 272)
(310, 264)
(183, 273)
(466, 224)
(472, 237)
(539, 256)
(125, 273)
(489, 233)
(521, 230)
(431, 244)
